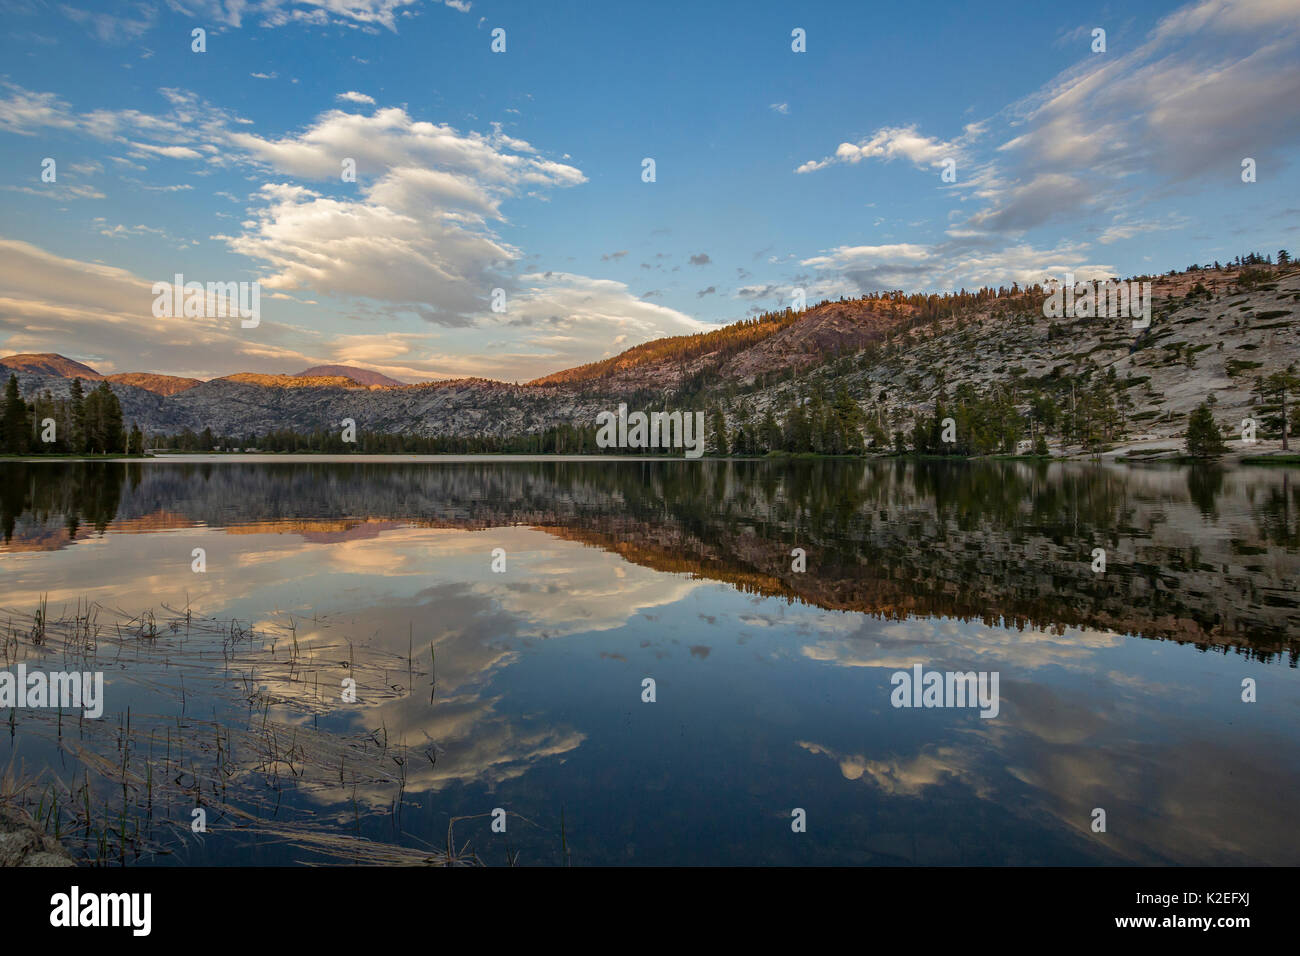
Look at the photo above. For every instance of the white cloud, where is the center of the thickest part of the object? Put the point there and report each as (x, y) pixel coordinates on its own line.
(275, 13)
(58, 191)
(953, 265)
(418, 231)
(352, 96)
(366, 249)
(1122, 228)
(24, 112)
(114, 28)
(169, 152)
(391, 139)
(560, 307)
(902, 142)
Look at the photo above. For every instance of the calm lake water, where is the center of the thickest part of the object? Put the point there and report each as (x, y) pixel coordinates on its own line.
(522, 689)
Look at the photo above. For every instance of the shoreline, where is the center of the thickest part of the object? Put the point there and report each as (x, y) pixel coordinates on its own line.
(1148, 449)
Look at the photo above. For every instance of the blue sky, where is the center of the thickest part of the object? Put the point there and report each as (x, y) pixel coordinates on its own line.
(522, 170)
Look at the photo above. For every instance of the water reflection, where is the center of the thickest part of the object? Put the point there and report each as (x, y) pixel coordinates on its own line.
(522, 689)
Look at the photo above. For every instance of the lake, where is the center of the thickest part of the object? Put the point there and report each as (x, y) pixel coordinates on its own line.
(340, 661)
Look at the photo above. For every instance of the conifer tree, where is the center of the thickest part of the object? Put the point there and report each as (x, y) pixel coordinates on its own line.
(1203, 438)
(15, 425)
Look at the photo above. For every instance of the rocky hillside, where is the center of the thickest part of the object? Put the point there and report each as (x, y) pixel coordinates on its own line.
(770, 344)
(827, 330)
(1209, 338)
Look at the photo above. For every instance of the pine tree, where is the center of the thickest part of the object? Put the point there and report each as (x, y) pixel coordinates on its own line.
(771, 433)
(1203, 437)
(104, 432)
(1283, 385)
(77, 427)
(718, 438)
(847, 416)
(798, 437)
(91, 424)
(114, 430)
(878, 436)
(15, 426)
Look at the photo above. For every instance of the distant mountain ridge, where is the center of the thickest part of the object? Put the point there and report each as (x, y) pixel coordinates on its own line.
(301, 380)
(59, 366)
(49, 363)
(158, 384)
(362, 376)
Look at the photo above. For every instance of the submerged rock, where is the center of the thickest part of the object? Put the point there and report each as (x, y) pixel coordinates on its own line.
(23, 844)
